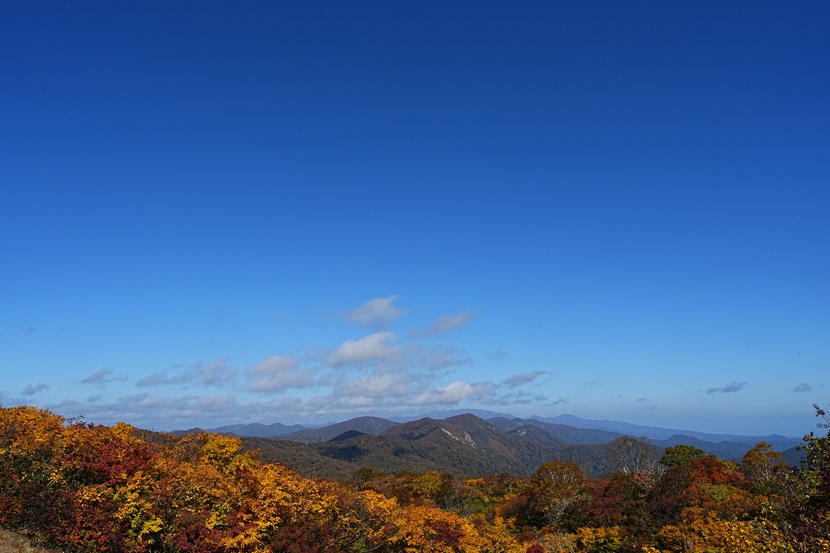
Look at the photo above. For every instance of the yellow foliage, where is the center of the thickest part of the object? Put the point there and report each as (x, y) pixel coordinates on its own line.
(601, 539)
(495, 536)
(474, 482)
(702, 532)
(25, 430)
(150, 527)
(225, 452)
(557, 542)
(157, 496)
(428, 529)
(88, 495)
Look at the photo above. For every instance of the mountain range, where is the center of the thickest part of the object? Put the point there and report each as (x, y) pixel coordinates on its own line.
(475, 444)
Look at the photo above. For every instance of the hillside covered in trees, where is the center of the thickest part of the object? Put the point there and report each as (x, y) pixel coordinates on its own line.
(84, 488)
(467, 446)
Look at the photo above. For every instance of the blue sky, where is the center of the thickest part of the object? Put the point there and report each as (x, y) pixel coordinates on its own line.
(309, 211)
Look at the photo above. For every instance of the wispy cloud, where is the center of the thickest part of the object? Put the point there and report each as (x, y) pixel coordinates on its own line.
(803, 387)
(521, 397)
(148, 411)
(437, 357)
(443, 324)
(102, 377)
(521, 379)
(161, 379)
(278, 373)
(497, 355)
(98, 377)
(183, 412)
(215, 373)
(365, 350)
(26, 330)
(379, 373)
(376, 313)
(32, 389)
(558, 401)
(379, 390)
(728, 388)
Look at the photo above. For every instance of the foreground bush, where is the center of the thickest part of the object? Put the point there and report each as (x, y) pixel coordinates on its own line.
(94, 489)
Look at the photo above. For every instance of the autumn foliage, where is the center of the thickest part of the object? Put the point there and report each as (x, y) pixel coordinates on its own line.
(84, 488)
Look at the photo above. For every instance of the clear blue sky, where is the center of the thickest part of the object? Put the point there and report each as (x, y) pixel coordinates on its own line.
(309, 211)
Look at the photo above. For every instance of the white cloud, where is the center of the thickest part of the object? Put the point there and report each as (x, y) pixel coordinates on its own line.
(217, 372)
(375, 385)
(370, 393)
(378, 373)
(376, 313)
(453, 393)
(278, 373)
(142, 400)
(384, 390)
(803, 387)
(369, 349)
(215, 402)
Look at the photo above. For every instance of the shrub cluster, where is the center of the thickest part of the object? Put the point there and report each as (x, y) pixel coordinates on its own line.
(95, 489)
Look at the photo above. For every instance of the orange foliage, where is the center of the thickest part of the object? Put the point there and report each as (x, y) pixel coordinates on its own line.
(702, 531)
(95, 489)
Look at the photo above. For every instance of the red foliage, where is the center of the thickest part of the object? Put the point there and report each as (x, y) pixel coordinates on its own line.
(92, 489)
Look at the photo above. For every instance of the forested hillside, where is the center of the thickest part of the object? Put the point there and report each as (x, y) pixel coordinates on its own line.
(94, 489)
(466, 446)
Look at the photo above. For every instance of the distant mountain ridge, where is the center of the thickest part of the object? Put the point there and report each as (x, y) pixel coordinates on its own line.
(276, 430)
(364, 425)
(569, 427)
(569, 434)
(465, 445)
(658, 433)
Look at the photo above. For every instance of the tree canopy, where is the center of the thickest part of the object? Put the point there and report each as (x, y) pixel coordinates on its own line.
(94, 489)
